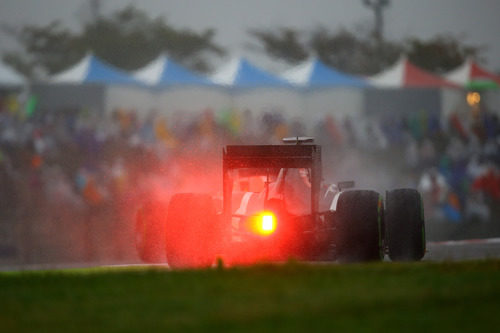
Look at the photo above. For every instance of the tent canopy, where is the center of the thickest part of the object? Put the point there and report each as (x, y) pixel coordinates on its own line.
(92, 70)
(471, 75)
(9, 77)
(404, 74)
(240, 73)
(314, 73)
(165, 72)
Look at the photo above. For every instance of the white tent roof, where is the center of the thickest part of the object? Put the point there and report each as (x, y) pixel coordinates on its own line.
(462, 74)
(165, 72)
(393, 77)
(151, 73)
(240, 73)
(92, 70)
(75, 74)
(9, 77)
(226, 74)
(299, 74)
(314, 73)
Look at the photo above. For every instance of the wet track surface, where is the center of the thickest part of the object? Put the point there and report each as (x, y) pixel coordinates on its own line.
(463, 250)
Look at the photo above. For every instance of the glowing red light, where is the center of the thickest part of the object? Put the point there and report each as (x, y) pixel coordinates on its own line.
(264, 223)
(267, 223)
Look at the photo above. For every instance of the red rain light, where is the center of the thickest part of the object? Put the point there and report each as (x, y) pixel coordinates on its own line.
(264, 223)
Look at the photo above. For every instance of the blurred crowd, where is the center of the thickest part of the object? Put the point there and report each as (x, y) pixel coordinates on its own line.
(73, 179)
(453, 161)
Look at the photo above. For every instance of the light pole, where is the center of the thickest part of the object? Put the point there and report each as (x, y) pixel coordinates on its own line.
(95, 9)
(377, 6)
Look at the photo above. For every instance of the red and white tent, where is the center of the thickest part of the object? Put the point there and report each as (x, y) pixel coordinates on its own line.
(471, 75)
(404, 74)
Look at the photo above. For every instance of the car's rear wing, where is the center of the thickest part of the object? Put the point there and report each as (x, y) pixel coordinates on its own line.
(272, 156)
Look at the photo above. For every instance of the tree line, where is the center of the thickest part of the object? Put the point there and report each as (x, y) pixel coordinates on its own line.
(129, 39)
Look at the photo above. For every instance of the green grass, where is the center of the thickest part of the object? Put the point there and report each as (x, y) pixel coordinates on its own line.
(380, 297)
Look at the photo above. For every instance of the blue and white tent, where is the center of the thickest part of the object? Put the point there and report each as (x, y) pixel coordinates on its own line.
(177, 89)
(163, 72)
(95, 85)
(327, 91)
(315, 74)
(92, 70)
(253, 89)
(240, 73)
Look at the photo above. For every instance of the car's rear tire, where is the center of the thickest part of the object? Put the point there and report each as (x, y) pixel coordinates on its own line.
(359, 215)
(150, 231)
(193, 233)
(405, 227)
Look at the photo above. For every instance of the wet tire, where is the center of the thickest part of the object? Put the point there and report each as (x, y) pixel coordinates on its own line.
(359, 225)
(405, 227)
(150, 231)
(193, 233)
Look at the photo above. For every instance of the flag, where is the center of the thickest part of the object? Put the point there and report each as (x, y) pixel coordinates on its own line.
(30, 105)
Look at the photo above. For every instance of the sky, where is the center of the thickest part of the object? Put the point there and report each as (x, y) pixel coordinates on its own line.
(475, 22)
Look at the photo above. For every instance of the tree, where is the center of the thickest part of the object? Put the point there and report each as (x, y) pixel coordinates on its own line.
(128, 39)
(439, 54)
(45, 49)
(353, 53)
(360, 53)
(344, 50)
(283, 44)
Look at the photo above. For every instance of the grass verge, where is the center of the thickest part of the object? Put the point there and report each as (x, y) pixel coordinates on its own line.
(375, 297)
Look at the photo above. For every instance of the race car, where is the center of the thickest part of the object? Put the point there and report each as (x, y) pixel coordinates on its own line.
(275, 207)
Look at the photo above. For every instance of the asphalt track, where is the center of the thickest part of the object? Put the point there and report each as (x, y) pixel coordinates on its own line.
(463, 250)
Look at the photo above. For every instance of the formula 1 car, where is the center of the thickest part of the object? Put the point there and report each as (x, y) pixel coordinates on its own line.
(275, 207)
